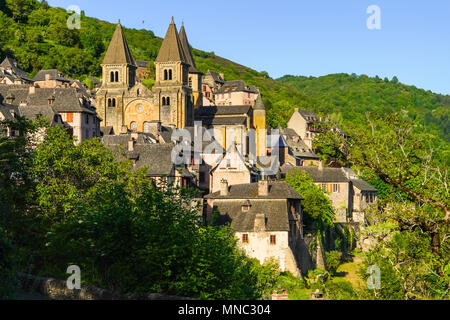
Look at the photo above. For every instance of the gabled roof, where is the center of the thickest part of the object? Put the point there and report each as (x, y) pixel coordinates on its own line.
(55, 74)
(330, 175)
(237, 86)
(187, 51)
(363, 186)
(10, 63)
(277, 190)
(118, 50)
(171, 48)
(222, 110)
(216, 76)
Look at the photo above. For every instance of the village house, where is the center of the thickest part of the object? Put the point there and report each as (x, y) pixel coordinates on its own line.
(304, 123)
(236, 93)
(11, 74)
(144, 150)
(266, 216)
(348, 194)
(52, 78)
(78, 115)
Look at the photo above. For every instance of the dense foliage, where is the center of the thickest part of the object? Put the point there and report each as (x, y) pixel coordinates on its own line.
(80, 207)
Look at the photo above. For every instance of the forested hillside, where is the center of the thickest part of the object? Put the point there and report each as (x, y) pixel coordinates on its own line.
(37, 36)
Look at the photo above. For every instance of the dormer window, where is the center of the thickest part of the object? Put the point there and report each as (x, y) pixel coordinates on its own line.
(51, 100)
(246, 206)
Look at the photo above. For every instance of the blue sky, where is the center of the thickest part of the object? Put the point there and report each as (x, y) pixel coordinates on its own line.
(304, 37)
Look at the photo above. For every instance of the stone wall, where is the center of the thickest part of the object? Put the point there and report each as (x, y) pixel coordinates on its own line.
(57, 290)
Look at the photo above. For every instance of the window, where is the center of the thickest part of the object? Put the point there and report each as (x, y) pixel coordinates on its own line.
(168, 101)
(335, 188)
(166, 77)
(133, 126)
(117, 76)
(245, 238)
(324, 186)
(245, 208)
(111, 78)
(273, 239)
(170, 74)
(140, 108)
(164, 101)
(190, 82)
(69, 117)
(146, 127)
(138, 92)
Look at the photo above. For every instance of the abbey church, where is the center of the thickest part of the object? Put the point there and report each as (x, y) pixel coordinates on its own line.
(123, 101)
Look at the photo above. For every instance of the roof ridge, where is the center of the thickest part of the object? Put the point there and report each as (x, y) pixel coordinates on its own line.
(171, 48)
(118, 51)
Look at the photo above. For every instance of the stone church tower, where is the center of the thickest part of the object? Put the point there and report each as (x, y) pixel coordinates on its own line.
(195, 76)
(171, 88)
(259, 122)
(123, 101)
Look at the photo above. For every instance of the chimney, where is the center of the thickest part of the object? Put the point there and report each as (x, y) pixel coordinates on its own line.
(32, 90)
(263, 188)
(260, 222)
(47, 77)
(131, 144)
(222, 76)
(224, 187)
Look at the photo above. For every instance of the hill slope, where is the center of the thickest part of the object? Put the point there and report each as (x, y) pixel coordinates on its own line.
(38, 37)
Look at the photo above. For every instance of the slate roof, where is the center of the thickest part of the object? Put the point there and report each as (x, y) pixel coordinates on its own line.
(6, 109)
(10, 63)
(118, 51)
(363, 186)
(277, 190)
(171, 48)
(324, 175)
(216, 76)
(54, 75)
(297, 146)
(276, 214)
(32, 112)
(221, 110)
(236, 86)
(259, 104)
(230, 121)
(187, 51)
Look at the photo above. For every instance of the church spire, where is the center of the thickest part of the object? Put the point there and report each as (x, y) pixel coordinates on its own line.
(171, 48)
(187, 51)
(118, 50)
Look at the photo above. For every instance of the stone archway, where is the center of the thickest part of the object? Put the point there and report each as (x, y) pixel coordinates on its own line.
(140, 111)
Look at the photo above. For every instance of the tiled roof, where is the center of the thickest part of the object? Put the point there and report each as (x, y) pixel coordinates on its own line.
(275, 211)
(236, 86)
(54, 75)
(362, 185)
(216, 76)
(277, 190)
(187, 51)
(224, 121)
(118, 51)
(10, 63)
(171, 49)
(324, 175)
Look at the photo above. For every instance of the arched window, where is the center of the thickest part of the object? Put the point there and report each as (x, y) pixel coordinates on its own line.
(164, 101)
(109, 102)
(138, 92)
(133, 126)
(165, 75)
(114, 102)
(117, 76)
(146, 127)
(170, 74)
(111, 78)
(168, 101)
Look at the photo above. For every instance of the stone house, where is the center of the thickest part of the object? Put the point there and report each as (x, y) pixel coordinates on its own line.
(143, 150)
(267, 219)
(11, 74)
(52, 78)
(236, 93)
(348, 194)
(303, 123)
(232, 168)
(73, 106)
